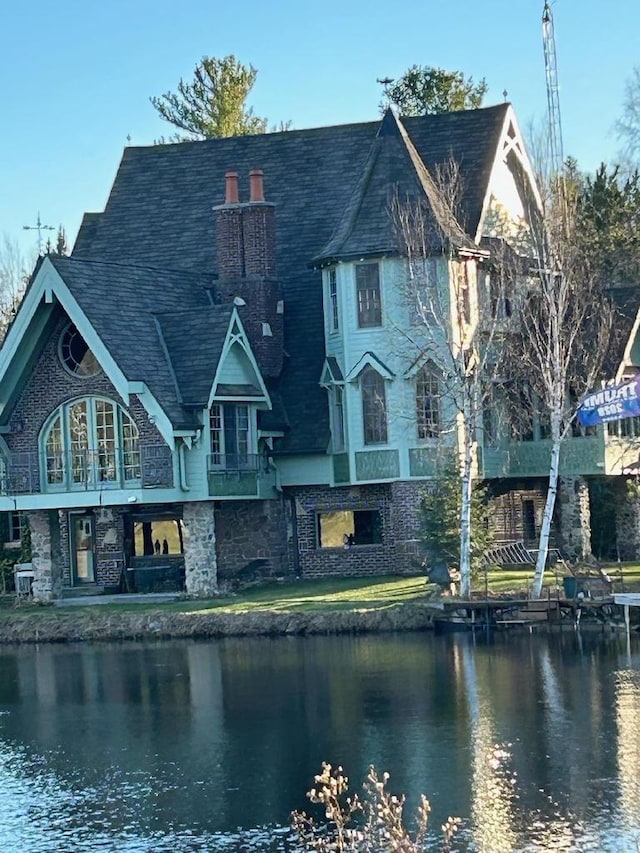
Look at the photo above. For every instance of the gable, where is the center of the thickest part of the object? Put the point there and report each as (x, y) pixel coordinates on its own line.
(511, 192)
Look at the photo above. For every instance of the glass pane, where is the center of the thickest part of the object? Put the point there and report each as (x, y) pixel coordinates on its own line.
(130, 449)
(54, 453)
(79, 443)
(105, 455)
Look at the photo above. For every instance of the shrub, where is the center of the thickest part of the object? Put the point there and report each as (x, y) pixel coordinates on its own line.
(371, 823)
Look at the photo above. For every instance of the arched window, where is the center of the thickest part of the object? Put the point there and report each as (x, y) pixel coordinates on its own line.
(428, 393)
(90, 443)
(374, 407)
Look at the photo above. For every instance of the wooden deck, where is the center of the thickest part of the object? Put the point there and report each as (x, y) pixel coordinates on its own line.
(508, 613)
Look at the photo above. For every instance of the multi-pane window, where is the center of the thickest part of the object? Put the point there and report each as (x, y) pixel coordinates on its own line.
(229, 435)
(368, 290)
(17, 524)
(332, 279)
(338, 418)
(625, 428)
(428, 393)
(374, 407)
(90, 442)
(76, 355)
(499, 289)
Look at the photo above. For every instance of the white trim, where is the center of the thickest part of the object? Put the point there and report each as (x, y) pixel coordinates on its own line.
(236, 334)
(368, 359)
(499, 157)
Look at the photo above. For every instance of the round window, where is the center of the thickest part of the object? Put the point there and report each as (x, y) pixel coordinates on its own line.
(76, 355)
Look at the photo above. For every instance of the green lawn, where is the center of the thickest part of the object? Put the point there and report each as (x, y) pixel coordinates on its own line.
(329, 594)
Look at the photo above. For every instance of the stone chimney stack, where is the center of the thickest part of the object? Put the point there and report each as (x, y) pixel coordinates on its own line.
(246, 255)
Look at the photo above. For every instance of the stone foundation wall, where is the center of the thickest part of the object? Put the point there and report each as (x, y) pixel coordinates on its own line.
(574, 516)
(627, 521)
(47, 581)
(251, 538)
(200, 560)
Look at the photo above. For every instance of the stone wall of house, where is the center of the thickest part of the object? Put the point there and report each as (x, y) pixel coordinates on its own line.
(251, 539)
(574, 517)
(200, 560)
(47, 580)
(110, 558)
(627, 520)
(391, 556)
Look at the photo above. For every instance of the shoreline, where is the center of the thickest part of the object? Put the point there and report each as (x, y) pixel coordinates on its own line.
(96, 625)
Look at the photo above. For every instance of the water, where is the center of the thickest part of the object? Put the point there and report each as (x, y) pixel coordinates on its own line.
(534, 741)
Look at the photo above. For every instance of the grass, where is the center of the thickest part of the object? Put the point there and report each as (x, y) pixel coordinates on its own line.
(326, 595)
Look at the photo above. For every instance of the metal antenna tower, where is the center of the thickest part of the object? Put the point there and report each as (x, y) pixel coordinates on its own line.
(553, 102)
(39, 227)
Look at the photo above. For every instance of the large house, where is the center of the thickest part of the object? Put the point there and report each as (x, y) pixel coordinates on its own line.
(217, 380)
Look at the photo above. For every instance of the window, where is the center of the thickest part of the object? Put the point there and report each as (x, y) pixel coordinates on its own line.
(90, 442)
(374, 407)
(229, 430)
(368, 290)
(428, 402)
(338, 418)
(625, 428)
(499, 287)
(75, 354)
(333, 299)
(16, 526)
(157, 537)
(345, 528)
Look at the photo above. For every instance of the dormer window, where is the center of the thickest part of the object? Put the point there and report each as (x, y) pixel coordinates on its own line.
(230, 436)
(75, 354)
(368, 291)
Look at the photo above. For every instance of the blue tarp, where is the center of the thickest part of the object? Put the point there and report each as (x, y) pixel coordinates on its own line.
(612, 403)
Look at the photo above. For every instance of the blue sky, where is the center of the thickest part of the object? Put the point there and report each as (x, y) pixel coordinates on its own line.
(76, 75)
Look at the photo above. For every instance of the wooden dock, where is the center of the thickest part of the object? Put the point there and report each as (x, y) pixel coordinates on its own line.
(496, 614)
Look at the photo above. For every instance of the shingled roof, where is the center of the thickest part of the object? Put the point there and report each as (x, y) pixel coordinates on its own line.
(159, 215)
(193, 340)
(121, 301)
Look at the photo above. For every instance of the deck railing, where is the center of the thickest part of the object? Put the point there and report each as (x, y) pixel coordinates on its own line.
(85, 469)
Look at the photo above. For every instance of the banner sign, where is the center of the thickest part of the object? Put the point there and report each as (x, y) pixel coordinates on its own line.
(612, 403)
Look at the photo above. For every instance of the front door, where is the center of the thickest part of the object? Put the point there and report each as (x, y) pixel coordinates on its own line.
(82, 548)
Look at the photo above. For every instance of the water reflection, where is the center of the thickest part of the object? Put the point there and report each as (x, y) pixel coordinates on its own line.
(534, 741)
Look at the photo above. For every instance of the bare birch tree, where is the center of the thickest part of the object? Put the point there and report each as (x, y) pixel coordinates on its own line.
(564, 326)
(14, 276)
(453, 328)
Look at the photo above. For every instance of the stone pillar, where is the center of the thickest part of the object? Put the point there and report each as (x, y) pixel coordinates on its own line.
(47, 573)
(575, 517)
(200, 562)
(628, 521)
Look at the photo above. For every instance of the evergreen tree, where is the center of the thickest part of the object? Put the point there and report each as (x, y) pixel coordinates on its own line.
(440, 520)
(423, 89)
(213, 104)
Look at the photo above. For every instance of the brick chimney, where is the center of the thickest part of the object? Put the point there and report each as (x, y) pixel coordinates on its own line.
(230, 248)
(246, 253)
